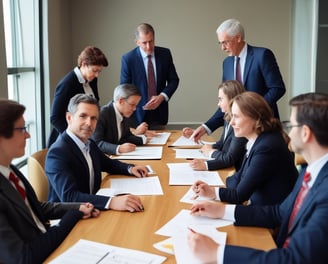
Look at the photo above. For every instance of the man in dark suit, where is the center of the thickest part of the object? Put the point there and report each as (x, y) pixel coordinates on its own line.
(74, 162)
(113, 134)
(26, 236)
(153, 107)
(301, 217)
(259, 71)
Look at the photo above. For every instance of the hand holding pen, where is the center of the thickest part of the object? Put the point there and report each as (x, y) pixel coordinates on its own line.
(201, 188)
(139, 171)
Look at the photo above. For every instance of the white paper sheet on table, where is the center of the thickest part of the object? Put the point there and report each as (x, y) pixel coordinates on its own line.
(183, 220)
(183, 174)
(188, 197)
(87, 252)
(160, 139)
(189, 154)
(182, 251)
(185, 142)
(137, 186)
(141, 153)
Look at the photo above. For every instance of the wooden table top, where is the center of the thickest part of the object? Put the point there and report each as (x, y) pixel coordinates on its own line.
(137, 230)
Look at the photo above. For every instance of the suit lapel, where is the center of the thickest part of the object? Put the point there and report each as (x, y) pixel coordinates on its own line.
(248, 63)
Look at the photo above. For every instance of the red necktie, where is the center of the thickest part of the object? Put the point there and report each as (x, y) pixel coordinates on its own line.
(151, 78)
(298, 202)
(238, 70)
(19, 188)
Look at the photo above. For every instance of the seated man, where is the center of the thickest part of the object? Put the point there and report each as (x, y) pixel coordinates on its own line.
(113, 134)
(74, 162)
(301, 217)
(26, 236)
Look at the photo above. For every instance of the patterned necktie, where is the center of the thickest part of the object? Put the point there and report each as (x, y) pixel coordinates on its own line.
(19, 187)
(151, 78)
(238, 70)
(298, 202)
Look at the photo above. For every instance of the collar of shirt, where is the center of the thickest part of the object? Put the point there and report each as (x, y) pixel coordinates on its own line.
(315, 168)
(119, 117)
(83, 147)
(79, 75)
(249, 146)
(5, 171)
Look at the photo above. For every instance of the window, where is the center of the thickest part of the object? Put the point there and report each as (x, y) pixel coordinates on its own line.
(21, 22)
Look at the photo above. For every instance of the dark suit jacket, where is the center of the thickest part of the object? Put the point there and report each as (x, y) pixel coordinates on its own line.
(230, 151)
(65, 90)
(308, 236)
(21, 240)
(261, 75)
(68, 172)
(106, 135)
(266, 176)
(167, 80)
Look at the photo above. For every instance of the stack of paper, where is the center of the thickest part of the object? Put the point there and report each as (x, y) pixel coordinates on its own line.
(160, 139)
(87, 252)
(141, 153)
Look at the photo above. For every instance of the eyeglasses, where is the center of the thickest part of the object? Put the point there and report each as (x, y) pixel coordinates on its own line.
(130, 104)
(225, 42)
(288, 126)
(21, 129)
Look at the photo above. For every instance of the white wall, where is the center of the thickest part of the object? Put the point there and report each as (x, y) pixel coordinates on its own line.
(187, 27)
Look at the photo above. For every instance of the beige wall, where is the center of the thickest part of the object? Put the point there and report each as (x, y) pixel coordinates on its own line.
(187, 27)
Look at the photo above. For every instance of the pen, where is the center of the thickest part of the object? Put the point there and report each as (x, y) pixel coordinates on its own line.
(195, 197)
(102, 258)
(192, 230)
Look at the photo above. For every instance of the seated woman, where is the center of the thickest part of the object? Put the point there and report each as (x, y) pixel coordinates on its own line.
(267, 174)
(229, 150)
(113, 134)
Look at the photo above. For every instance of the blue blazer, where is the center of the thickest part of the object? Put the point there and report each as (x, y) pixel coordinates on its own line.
(21, 240)
(68, 172)
(229, 151)
(65, 90)
(106, 135)
(309, 233)
(261, 75)
(167, 80)
(267, 175)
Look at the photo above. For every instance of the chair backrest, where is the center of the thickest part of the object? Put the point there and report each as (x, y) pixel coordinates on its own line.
(37, 175)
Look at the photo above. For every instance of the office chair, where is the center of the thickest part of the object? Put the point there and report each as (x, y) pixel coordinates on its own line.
(37, 175)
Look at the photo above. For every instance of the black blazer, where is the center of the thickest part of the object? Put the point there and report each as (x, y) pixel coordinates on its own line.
(266, 176)
(230, 151)
(21, 240)
(106, 135)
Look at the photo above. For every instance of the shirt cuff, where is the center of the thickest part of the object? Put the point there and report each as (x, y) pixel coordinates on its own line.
(220, 254)
(208, 131)
(229, 213)
(130, 169)
(217, 195)
(144, 138)
(108, 203)
(165, 96)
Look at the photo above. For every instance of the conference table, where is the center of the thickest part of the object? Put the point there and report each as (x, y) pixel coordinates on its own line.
(137, 230)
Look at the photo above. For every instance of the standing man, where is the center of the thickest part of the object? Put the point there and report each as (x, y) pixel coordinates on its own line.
(26, 236)
(151, 69)
(301, 217)
(255, 67)
(74, 162)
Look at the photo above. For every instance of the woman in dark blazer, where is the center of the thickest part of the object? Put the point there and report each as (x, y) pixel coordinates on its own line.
(267, 174)
(83, 79)
(229, 150)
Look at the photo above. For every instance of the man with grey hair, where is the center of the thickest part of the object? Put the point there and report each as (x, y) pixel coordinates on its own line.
(255, 67)
(112, 133)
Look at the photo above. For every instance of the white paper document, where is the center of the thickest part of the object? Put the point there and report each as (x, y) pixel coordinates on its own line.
(185, 142)
(160, 139)
(191, 198)
(137, 186)
(182, 251)
(89, 252)
(189, 154)
(141, 153)
(183, 174)
(184, 219)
